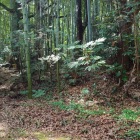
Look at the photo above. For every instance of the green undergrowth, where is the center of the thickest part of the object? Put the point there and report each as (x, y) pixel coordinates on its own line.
(79, 108)
(129, 120)
(132, 134)
(124, 118)
(130, 115)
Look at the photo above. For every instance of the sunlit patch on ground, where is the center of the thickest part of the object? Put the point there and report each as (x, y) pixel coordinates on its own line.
(3, 130)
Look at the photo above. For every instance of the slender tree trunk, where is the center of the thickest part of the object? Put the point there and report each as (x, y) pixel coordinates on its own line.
(27, 48)
(38, 23)
(72, 22)
(94, 19)
(136, 42)
(57, 43)
(89, 20)
(79, 24)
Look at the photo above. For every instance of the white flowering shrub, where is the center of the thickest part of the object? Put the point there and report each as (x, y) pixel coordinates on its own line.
(90, 60)
(51, 59)
(94, 43)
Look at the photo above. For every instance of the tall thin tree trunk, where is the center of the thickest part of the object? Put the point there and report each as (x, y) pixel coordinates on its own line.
(136, 42)
(27, 48)
(89, 21)
(79, 21)
(72, 22)
(57, 43)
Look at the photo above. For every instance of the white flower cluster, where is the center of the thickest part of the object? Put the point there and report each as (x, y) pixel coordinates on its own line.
(6, 49)
(96, 42)
(91, 43)
(51, 59)
(100, 40)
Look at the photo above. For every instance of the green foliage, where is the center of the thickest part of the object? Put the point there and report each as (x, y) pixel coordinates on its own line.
(74, 67)
(93, 112)
(128, 114)
(37, 67)
(23, 92)
(118, 71)
(36, 93)
(85, 91)
(90, 61)
(61, 105)
(72, 82)
(132, 134)
(78, 108)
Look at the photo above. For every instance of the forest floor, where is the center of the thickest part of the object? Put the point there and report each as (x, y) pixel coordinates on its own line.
(96, 110)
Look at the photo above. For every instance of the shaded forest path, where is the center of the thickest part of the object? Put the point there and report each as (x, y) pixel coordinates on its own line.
(8, 131)
(69, 116)
(7, 78)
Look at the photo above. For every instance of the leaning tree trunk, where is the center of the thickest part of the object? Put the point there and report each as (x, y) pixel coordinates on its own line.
(27, 49)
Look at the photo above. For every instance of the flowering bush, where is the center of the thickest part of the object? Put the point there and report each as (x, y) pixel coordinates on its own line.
(51, 59)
